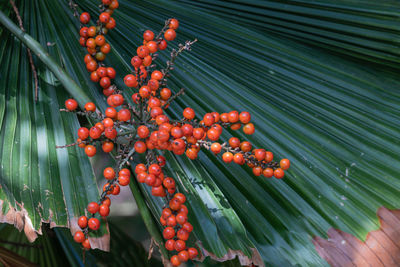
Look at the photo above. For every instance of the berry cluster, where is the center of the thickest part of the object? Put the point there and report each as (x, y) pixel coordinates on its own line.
(142, 126)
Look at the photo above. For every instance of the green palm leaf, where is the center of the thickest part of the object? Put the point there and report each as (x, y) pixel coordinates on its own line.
(39, 183)
(335, 118)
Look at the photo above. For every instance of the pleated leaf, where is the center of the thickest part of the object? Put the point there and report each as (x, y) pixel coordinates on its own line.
(39, 183)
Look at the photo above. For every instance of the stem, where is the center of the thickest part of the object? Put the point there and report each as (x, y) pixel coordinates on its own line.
(43, 55)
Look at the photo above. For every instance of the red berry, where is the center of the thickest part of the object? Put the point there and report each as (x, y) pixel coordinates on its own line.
(170, 244)
(249, 128)
(104, 210)
(183, 256)
(143, 51)
(175, 261)
(173, 24)
(169, 233)
(104, 17)
(181, 197)
(284, 163)
(83, 133)
(124, 180)
(188, 113)
(90, 150)
(279, 173)
(109, 173)
(180, 245)
(148, 35)
(94, 224)
(182, 234)
(86, 244)
(84, 18)
(71, 104)
(136, 61)
(162, 45)
(170, 35)
(79, 237)
(95, 132)
(93, 207)
(192, 253)
(244, 117)
(82, 222)
(130, 80)
(124, 115)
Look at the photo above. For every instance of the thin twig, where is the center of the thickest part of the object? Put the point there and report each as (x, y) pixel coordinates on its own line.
(151, 248)
(28, 50)
(181, 92)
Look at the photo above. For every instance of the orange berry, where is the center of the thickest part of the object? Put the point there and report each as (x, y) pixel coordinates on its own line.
(181, 218)
(148, 35)
(173, 24)
(79, 237)
(71, 104)
(279, 173)
(245, 146)
(104, 210)
(192, 253)
(183, 256)
(249, 128)
(95, 132)
(227, 157)
(83, 133)
(234, 142)
(140, 147)
(106, 201)
(175, 204)
(114, 4)
(268, 172)
(269, 156)
(260, 154)
(187, 227)
(165, 94)
(124, 180)
(175, 260)
(105, 82)
(124, 115)
(181, 197)
(94, 224)
(84, 18)
(107, 146)
(143, 51)
(238, 158)
(191, 153)
(104, 17)
(169, 233)
(157, 75)
(140, 168)
(213, 134)
(147, 60)
(82, 222)
(100, 40)
(109, 173)
(233, 116)
(86, 244)
(152, 46)
(169, 35)
(180, 245)
(162, 45)
(170, 244)
(106, 48)
(130, 80)
(257, 171)
(285, 164)
(90, 150)
(111, 24)
(93, 207)
(244, 117)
